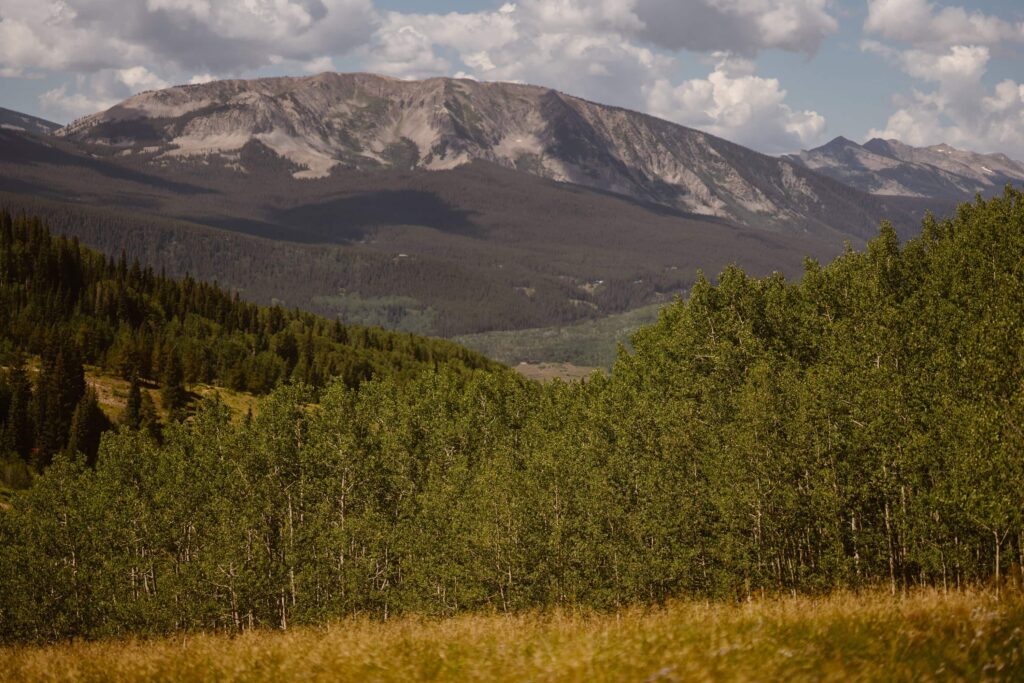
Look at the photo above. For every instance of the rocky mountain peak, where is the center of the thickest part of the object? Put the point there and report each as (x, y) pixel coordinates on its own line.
(332, 121)
(891, 167)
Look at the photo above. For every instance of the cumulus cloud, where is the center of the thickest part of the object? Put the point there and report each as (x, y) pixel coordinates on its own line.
(614, 51)
(222, 36)
(563, 44)
(948, 50)
(734, 103)
(923, 23)
(960, 109)
(401, 49)
(739, 26)
(99, 91)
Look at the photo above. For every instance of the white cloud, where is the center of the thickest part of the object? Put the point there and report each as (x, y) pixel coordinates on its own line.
(319, 65)
(99, 91)
(138, 78)
(963, 114)
(922, 23)
(400, 49)
(741, 26)
(59, 103)
(735, 104)
(85, 36)
(950, 50)
(614, 51)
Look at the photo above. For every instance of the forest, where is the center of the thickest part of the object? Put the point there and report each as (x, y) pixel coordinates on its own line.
(860, 427)
(69, 306)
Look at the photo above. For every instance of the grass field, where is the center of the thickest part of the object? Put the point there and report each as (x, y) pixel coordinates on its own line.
(545, 372)
(924, 636)
(112, 393)
(588, 345)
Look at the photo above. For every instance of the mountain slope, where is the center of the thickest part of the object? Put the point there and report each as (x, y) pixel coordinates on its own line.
(13, 120)
(475, 248)
(890, 167)
(443, 207)
(326, 123)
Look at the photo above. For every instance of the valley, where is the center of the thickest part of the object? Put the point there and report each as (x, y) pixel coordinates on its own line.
(347, 376)
(292, 191)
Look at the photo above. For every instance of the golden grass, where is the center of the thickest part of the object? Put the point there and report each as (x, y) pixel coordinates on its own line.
(112, 393)
(923, 636)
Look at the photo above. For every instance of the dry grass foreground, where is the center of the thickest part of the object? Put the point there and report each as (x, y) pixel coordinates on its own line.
(923, 636)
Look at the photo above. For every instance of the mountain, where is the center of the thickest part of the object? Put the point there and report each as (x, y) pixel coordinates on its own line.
(13, 120)
(471, 249)
(331, 122)
(890, 167)
(442, 206)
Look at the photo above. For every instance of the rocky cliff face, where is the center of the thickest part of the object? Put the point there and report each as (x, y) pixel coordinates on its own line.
(890, 167)
(338, 121)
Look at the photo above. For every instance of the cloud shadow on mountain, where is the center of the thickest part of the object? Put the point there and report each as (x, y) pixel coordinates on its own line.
(349, 218)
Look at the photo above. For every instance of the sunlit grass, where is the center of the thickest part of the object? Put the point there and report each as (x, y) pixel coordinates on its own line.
(926, 635)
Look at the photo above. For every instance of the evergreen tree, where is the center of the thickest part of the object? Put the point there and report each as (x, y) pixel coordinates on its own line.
(87, 425)
(18, 430)
(173, 396)
(132, 417)
(149, 420)
(60, 386)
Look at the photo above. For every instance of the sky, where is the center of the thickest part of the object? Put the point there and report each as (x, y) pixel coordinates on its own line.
(775, 75)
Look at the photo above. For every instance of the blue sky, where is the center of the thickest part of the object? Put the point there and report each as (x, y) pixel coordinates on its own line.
(777, 75)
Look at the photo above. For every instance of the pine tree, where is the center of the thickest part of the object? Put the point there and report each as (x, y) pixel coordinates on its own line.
(87, 425)
(132, 417)
(149, 421)
(173, 396)
(60, 387)
(18, 433)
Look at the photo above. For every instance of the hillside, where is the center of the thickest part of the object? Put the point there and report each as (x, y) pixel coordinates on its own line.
(723, 458)
(69, 307)
(590, 344)
(320, 124)
(14, 120)
(485, 247)
(891, 168)
(442, 206)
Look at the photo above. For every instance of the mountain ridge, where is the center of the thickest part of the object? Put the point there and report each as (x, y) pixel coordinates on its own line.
(337, 121)
(16, 120)
(465, 231)
(893, 168)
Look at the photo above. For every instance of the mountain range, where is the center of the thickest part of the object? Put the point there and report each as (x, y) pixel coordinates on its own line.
(889, 167)
(331, 121)
(13, 120)
(450, 206)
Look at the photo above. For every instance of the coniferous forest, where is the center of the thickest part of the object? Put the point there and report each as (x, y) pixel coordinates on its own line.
(69, 306)
(861, 426)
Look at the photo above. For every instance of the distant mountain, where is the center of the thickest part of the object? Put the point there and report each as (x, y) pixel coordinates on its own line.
(889, 167)
(331, 122)
(13, 120)
(471, 249)
(440, 206)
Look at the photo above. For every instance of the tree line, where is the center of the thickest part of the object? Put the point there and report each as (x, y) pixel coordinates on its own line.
(860, 426)
(69, 306)
(470, 295)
